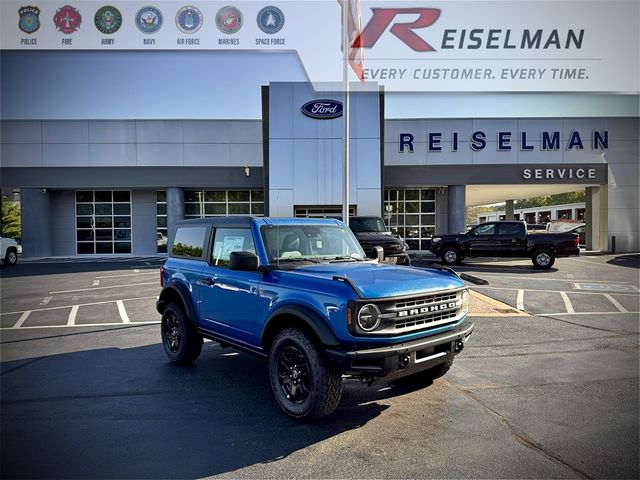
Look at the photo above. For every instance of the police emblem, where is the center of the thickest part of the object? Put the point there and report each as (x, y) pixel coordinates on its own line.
(108, 19)
(270, 20)
(229, 20)
(189, 19)
(29, 20)
(67, 19)
(149, 20)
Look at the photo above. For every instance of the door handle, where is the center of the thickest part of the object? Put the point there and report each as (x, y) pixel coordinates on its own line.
(207, 282)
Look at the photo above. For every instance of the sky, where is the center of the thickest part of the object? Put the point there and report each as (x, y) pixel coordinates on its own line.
(226, 85)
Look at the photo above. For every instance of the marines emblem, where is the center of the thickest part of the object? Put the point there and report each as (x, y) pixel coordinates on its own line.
(149, 20)
(67, 19)
(229, 20)
(189, 19)
(29, 20)
(108, 20)
(270, 20)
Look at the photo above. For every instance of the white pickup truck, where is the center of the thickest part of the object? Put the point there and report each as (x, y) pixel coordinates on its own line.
(9, 250)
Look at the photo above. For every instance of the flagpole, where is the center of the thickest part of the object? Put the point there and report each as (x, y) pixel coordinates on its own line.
(345, 111)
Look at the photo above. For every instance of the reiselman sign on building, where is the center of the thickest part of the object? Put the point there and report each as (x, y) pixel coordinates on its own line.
(505, 141)
(454, 45)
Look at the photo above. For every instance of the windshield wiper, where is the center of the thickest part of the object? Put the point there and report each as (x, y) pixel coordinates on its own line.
(297, 259)
(342, 259)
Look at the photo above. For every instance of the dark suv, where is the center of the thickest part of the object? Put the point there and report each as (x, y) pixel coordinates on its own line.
(371, 232)
(302, 294)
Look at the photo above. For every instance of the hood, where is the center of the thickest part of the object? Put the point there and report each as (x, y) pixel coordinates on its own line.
(376, 280)
(373, 236)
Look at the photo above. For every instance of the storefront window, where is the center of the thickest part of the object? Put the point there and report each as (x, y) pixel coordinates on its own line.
(161, 221)
(413, 213)
(103, 221)
(220, 203)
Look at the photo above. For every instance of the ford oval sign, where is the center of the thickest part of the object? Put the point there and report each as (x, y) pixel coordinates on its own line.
(322, 109)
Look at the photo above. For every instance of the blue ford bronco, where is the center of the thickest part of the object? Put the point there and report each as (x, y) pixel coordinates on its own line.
(302, 294)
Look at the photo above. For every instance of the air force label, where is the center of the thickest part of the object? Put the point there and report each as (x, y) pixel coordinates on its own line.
(270, 20)
(189, 19)
(29, 20)
(148, 19)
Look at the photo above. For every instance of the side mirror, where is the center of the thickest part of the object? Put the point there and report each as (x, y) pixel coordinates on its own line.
(379, 253)
(245, 261)
(394, 230)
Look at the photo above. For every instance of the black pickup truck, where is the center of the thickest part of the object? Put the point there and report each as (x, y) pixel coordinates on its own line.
(372, 232)
(505, 239)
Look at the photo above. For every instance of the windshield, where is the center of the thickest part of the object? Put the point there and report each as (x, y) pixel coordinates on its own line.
(367, 225)
(310, 242)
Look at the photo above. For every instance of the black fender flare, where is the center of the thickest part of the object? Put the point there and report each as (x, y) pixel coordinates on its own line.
(169, 293)
(311, 320)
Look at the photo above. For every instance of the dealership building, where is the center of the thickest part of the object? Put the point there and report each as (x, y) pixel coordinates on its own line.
(94, 185)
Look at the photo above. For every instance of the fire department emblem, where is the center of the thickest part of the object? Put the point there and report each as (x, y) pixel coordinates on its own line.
(229, 20)
(149, 20)
(29, 20)
(67, 19)
(189, 19)
(108, 20)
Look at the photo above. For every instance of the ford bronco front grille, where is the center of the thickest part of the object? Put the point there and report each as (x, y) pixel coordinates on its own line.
(422, 312)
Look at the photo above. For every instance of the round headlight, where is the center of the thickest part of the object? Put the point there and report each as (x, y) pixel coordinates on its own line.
(369, 317)
(465, 301)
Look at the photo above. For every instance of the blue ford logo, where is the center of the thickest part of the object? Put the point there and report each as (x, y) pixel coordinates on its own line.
(322, 109)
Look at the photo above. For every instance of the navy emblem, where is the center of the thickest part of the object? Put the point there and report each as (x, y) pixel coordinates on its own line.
(270, 20)
(189, 19)
(29, 20)
(229, 20)
(322, 109)
(108, 20)
(148, 19)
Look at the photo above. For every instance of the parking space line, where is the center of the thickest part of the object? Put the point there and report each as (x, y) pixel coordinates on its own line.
(567, 302)
(129, 275)
(72, 315)
(22, 318)
(547, 291)
(616, 303)
(520, 300)
(546, 279)
(79, 305)
(122, 311)
(154, 322)
(102, 288)
(581, 313)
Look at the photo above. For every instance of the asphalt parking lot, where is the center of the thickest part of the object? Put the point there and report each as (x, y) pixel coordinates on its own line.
(86, 390)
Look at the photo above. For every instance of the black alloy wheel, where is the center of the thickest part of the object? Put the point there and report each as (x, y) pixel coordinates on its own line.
(293, 373)
(181, 342)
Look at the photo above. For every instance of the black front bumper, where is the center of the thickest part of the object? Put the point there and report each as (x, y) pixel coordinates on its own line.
(402, 358)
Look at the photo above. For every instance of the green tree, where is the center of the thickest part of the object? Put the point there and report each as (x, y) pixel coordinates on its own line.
(10, 219)
(557, 199)
(473, 212)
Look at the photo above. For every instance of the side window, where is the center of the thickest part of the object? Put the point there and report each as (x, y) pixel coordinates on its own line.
(227, 240)
(488, 229)
(189, 242)
(510, 230)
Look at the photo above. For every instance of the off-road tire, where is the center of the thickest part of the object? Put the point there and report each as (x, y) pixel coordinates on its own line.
(175, 326)
(11, 257)
(543, 259)
(325, 383)
(451, 256)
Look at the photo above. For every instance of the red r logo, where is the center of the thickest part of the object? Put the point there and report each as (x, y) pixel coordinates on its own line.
(381, 19)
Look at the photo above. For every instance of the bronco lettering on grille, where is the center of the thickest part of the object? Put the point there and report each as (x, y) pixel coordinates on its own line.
(429, 309)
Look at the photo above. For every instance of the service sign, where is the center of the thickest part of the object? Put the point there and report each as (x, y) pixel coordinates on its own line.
(469, 46)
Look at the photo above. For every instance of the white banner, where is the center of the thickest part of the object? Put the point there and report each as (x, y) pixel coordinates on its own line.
(469, 46)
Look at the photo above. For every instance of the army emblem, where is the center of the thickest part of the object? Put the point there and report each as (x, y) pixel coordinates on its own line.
(108, 19)
(29, 20)
(270, 20)
(67, 20)
(149, 20)
(189, 19)
(229, 20)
